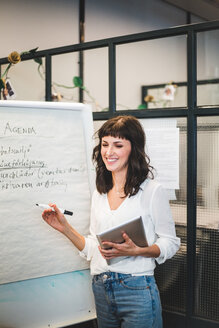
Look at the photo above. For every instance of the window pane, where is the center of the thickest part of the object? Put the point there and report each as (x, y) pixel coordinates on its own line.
(208, 68)
(207, 250)
(64, 69)
(25, 82)
(96, 79)
(145, 68)
(94, 87)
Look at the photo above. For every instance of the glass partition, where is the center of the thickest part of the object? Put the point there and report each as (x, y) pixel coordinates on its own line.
(208, 69)
(207, 250)
(24, 82)
(148, 73)
(65, 71)
(67, 84)
(96, 79)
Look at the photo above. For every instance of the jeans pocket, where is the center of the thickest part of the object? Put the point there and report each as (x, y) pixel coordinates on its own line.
(134, 283)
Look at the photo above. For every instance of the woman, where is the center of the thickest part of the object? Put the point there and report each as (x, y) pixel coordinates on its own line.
(125, 291)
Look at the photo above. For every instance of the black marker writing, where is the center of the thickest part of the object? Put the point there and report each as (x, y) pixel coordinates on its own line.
(23, 150)
(23, 163)
(18, 130)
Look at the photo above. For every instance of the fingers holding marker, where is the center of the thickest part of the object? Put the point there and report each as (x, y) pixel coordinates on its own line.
(46, 213)
(54, 208)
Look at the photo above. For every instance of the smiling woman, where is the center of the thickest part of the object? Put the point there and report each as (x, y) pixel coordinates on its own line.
(124, 133)
(125, 189)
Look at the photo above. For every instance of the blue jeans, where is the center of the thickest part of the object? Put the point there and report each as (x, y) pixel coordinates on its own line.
(126, 301)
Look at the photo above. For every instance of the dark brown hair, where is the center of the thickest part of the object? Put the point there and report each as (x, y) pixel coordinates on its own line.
(139, 168)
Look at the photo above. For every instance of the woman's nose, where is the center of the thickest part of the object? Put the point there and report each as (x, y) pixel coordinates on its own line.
(109, 150)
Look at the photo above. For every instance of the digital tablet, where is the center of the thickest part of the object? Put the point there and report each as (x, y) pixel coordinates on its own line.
(134, 229)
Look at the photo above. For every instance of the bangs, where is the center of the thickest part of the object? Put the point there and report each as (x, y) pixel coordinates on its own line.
(116, 130)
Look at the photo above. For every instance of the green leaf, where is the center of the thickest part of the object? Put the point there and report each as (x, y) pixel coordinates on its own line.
(38, 60)
(77, 81)
(1, 84)
(142, 106)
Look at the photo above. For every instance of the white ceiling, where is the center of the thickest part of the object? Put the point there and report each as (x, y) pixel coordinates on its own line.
(206, 9)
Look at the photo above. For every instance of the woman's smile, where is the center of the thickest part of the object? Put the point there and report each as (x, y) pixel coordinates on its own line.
(111, 160)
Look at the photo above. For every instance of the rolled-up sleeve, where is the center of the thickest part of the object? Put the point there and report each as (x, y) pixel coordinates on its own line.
(166, 238)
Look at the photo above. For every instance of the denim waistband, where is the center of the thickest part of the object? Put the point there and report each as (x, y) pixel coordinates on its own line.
(114, 276)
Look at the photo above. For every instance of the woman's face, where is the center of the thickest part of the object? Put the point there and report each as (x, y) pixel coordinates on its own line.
(115, 153)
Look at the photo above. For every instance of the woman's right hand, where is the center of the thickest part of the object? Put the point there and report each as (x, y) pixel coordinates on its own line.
(55, 218)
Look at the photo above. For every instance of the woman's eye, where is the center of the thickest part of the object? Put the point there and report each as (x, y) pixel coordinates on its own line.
(119, 146)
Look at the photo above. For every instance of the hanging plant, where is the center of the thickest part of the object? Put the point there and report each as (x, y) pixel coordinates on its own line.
(13, 58)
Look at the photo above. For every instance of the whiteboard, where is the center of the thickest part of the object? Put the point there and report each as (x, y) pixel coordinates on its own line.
(45, 156)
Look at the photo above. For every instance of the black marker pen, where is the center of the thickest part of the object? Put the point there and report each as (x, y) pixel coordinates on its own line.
(60, 209)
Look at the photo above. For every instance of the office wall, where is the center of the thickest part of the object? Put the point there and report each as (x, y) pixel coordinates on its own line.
(26, 24)
(47, 24)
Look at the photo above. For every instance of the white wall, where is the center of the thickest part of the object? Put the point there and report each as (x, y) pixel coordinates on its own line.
(26, 24)
(47, 24)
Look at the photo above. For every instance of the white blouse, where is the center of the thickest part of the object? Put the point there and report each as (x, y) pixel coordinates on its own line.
(151, 203)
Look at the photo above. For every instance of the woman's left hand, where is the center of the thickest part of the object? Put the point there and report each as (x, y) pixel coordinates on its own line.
(127, 248)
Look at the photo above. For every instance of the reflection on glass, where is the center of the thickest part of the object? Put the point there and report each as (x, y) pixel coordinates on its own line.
(207, 250)
(164, 96)
(151, 63)
(208, 68)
